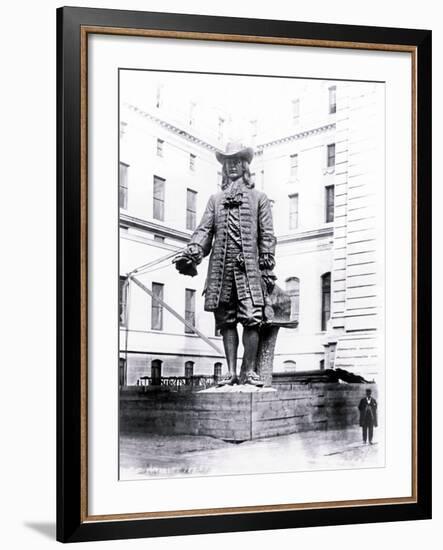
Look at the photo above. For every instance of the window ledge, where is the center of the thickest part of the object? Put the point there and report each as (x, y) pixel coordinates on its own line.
(327, 171)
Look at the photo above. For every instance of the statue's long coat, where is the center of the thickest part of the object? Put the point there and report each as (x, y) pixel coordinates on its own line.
(257, 235)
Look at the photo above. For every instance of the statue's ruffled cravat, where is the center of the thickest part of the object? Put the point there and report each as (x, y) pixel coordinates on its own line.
(234, 194)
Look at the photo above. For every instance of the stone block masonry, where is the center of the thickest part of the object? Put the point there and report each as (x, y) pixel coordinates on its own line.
(239, 416)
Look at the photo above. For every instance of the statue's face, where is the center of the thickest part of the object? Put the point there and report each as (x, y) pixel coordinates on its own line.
(234, 168)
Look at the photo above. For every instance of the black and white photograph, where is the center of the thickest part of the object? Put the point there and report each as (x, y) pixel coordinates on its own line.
(251, 274)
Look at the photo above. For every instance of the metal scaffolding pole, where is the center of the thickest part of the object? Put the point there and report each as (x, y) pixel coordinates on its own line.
(176, 314)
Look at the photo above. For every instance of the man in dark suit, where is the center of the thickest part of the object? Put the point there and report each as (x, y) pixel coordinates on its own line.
(368, 416)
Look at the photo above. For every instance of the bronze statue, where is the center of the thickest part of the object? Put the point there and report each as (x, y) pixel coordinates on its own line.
(237, 227)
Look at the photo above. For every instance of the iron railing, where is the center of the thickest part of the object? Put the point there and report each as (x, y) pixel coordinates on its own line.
(178, 383)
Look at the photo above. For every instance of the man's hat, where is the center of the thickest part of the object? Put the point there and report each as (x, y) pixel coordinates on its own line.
(235, 149)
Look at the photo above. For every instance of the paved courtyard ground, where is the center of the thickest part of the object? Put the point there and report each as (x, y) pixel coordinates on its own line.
(148, 455)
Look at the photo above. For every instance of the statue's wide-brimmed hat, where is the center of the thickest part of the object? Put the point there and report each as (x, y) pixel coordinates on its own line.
(235, 150)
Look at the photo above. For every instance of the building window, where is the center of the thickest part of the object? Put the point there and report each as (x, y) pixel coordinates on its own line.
(192, 113)
(157, 307)
(189, 309)
(159, 198)
(189, 369)
(123, 301)
(332, 99)
(191, 209)
(289, 365)
(254, 126)
(156, 372)
(159, 239)
(192, 162)
(262, 180)
(123, 185)
(217, 370)
(294, 165)
(331, 155)
(123, 128)
(329, 201)
(293, 211)
(295, 110)
(293, 289)
(325, 300)
(322, 364)
(160, 143)
(221, 126)
(158, 98)
(122, 371)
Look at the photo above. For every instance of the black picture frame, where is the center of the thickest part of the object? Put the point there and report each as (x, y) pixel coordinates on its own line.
(72, 524)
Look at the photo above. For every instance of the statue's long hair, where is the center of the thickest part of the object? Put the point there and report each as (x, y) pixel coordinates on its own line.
(246, 176)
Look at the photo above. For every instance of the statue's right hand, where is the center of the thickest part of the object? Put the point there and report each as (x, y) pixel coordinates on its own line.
(195, 252)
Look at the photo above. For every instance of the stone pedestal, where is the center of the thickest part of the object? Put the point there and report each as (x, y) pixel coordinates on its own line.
(236, 415)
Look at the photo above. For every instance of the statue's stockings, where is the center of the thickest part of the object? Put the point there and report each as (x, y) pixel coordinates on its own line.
(250, 345)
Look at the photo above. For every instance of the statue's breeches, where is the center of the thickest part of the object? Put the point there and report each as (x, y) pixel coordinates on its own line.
(238, 311)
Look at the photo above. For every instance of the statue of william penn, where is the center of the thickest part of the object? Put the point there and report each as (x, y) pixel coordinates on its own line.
(237, 229)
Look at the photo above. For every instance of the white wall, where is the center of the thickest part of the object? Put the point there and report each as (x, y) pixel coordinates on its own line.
(306, 261)
(28, 275)
(309, 183)
(139, 151)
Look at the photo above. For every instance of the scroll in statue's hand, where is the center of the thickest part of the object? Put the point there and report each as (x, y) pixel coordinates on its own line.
(186, 262)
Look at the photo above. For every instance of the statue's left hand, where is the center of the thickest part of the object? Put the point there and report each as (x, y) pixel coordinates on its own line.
(266, 261)
(269, 279)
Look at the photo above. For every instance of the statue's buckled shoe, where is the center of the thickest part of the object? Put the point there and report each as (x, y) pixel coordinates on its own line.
(228, 380)
(253, 378)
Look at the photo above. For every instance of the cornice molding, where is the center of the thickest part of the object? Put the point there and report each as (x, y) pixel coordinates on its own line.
(152, 227)
(165, 231)
(306, 235)
(297, 136)
(258, 148)
(174, 129)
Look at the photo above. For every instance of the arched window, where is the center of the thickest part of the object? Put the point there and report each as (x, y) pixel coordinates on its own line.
(217, 370)
(325, 299)
(189, 369)
(293, 289)
(122, 371)
(289, 365)
(156, 372)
